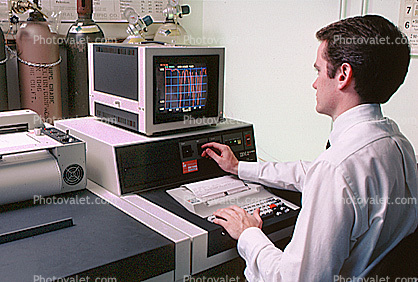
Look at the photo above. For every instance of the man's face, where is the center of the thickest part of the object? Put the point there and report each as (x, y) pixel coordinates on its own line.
(326, 88)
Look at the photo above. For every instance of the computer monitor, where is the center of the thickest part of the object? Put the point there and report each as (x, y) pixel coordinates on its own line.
(156, 89)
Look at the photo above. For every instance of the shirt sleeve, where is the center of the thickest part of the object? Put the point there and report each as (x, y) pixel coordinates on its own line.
(260, 254)
(288, 175)
(321, 240)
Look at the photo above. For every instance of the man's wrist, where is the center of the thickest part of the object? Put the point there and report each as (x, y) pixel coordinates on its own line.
(235, 168)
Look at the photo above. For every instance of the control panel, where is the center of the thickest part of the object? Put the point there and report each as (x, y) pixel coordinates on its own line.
(172, 162)
(241, 143)
(60, 136)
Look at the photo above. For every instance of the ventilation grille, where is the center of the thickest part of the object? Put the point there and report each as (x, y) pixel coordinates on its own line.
(116, 50)
(73, 174)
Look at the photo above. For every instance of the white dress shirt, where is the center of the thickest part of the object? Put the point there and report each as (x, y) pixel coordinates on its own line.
(359, 199)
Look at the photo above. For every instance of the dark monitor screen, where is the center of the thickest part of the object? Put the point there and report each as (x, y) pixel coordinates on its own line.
(185, 87)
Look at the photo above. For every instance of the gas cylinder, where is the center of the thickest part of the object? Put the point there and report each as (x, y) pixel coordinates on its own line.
(39, 72)
(84, 30)
(3, 80)
(171, 31)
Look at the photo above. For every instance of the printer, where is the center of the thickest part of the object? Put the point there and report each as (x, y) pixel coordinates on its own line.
(37, 160)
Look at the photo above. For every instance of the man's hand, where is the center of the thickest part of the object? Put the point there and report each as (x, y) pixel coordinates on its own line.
(225, 158)
(235, 220)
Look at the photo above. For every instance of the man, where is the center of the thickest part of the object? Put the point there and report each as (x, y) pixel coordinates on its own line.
(359, 196)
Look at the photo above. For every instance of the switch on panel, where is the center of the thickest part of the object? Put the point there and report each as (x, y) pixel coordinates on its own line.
(249, 140)
(199, 143)
(187, 151)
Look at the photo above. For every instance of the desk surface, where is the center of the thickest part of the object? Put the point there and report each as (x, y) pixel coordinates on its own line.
(104, 242)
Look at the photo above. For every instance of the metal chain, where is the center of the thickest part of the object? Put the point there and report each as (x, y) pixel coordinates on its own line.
(14, 53)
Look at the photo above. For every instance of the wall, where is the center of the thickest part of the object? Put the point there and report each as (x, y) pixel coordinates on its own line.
(403, 106)
(271, 48)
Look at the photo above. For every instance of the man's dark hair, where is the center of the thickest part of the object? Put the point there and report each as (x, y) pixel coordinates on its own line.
(377, 51)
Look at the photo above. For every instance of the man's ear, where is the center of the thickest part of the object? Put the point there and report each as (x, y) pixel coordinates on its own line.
(345, 76)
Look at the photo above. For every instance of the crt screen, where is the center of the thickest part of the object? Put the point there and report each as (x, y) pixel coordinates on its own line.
(185, 86)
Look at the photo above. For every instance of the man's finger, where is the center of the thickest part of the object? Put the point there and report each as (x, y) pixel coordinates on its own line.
(204, 154)
(256, 214)
(237, 209)
(213, 155)
(220, 222)
(226, 213)
(215, 145)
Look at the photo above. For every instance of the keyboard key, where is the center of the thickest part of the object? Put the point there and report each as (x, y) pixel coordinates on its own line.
(268, 207)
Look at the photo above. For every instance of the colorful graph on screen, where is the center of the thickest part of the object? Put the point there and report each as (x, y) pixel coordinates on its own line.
(185, 87)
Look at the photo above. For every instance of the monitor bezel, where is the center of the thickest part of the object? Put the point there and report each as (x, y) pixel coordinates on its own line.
(151, 53)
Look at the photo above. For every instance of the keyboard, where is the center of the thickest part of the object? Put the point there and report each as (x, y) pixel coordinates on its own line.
(268, 207)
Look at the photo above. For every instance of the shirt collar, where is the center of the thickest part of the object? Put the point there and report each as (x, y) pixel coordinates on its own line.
(353, 116)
